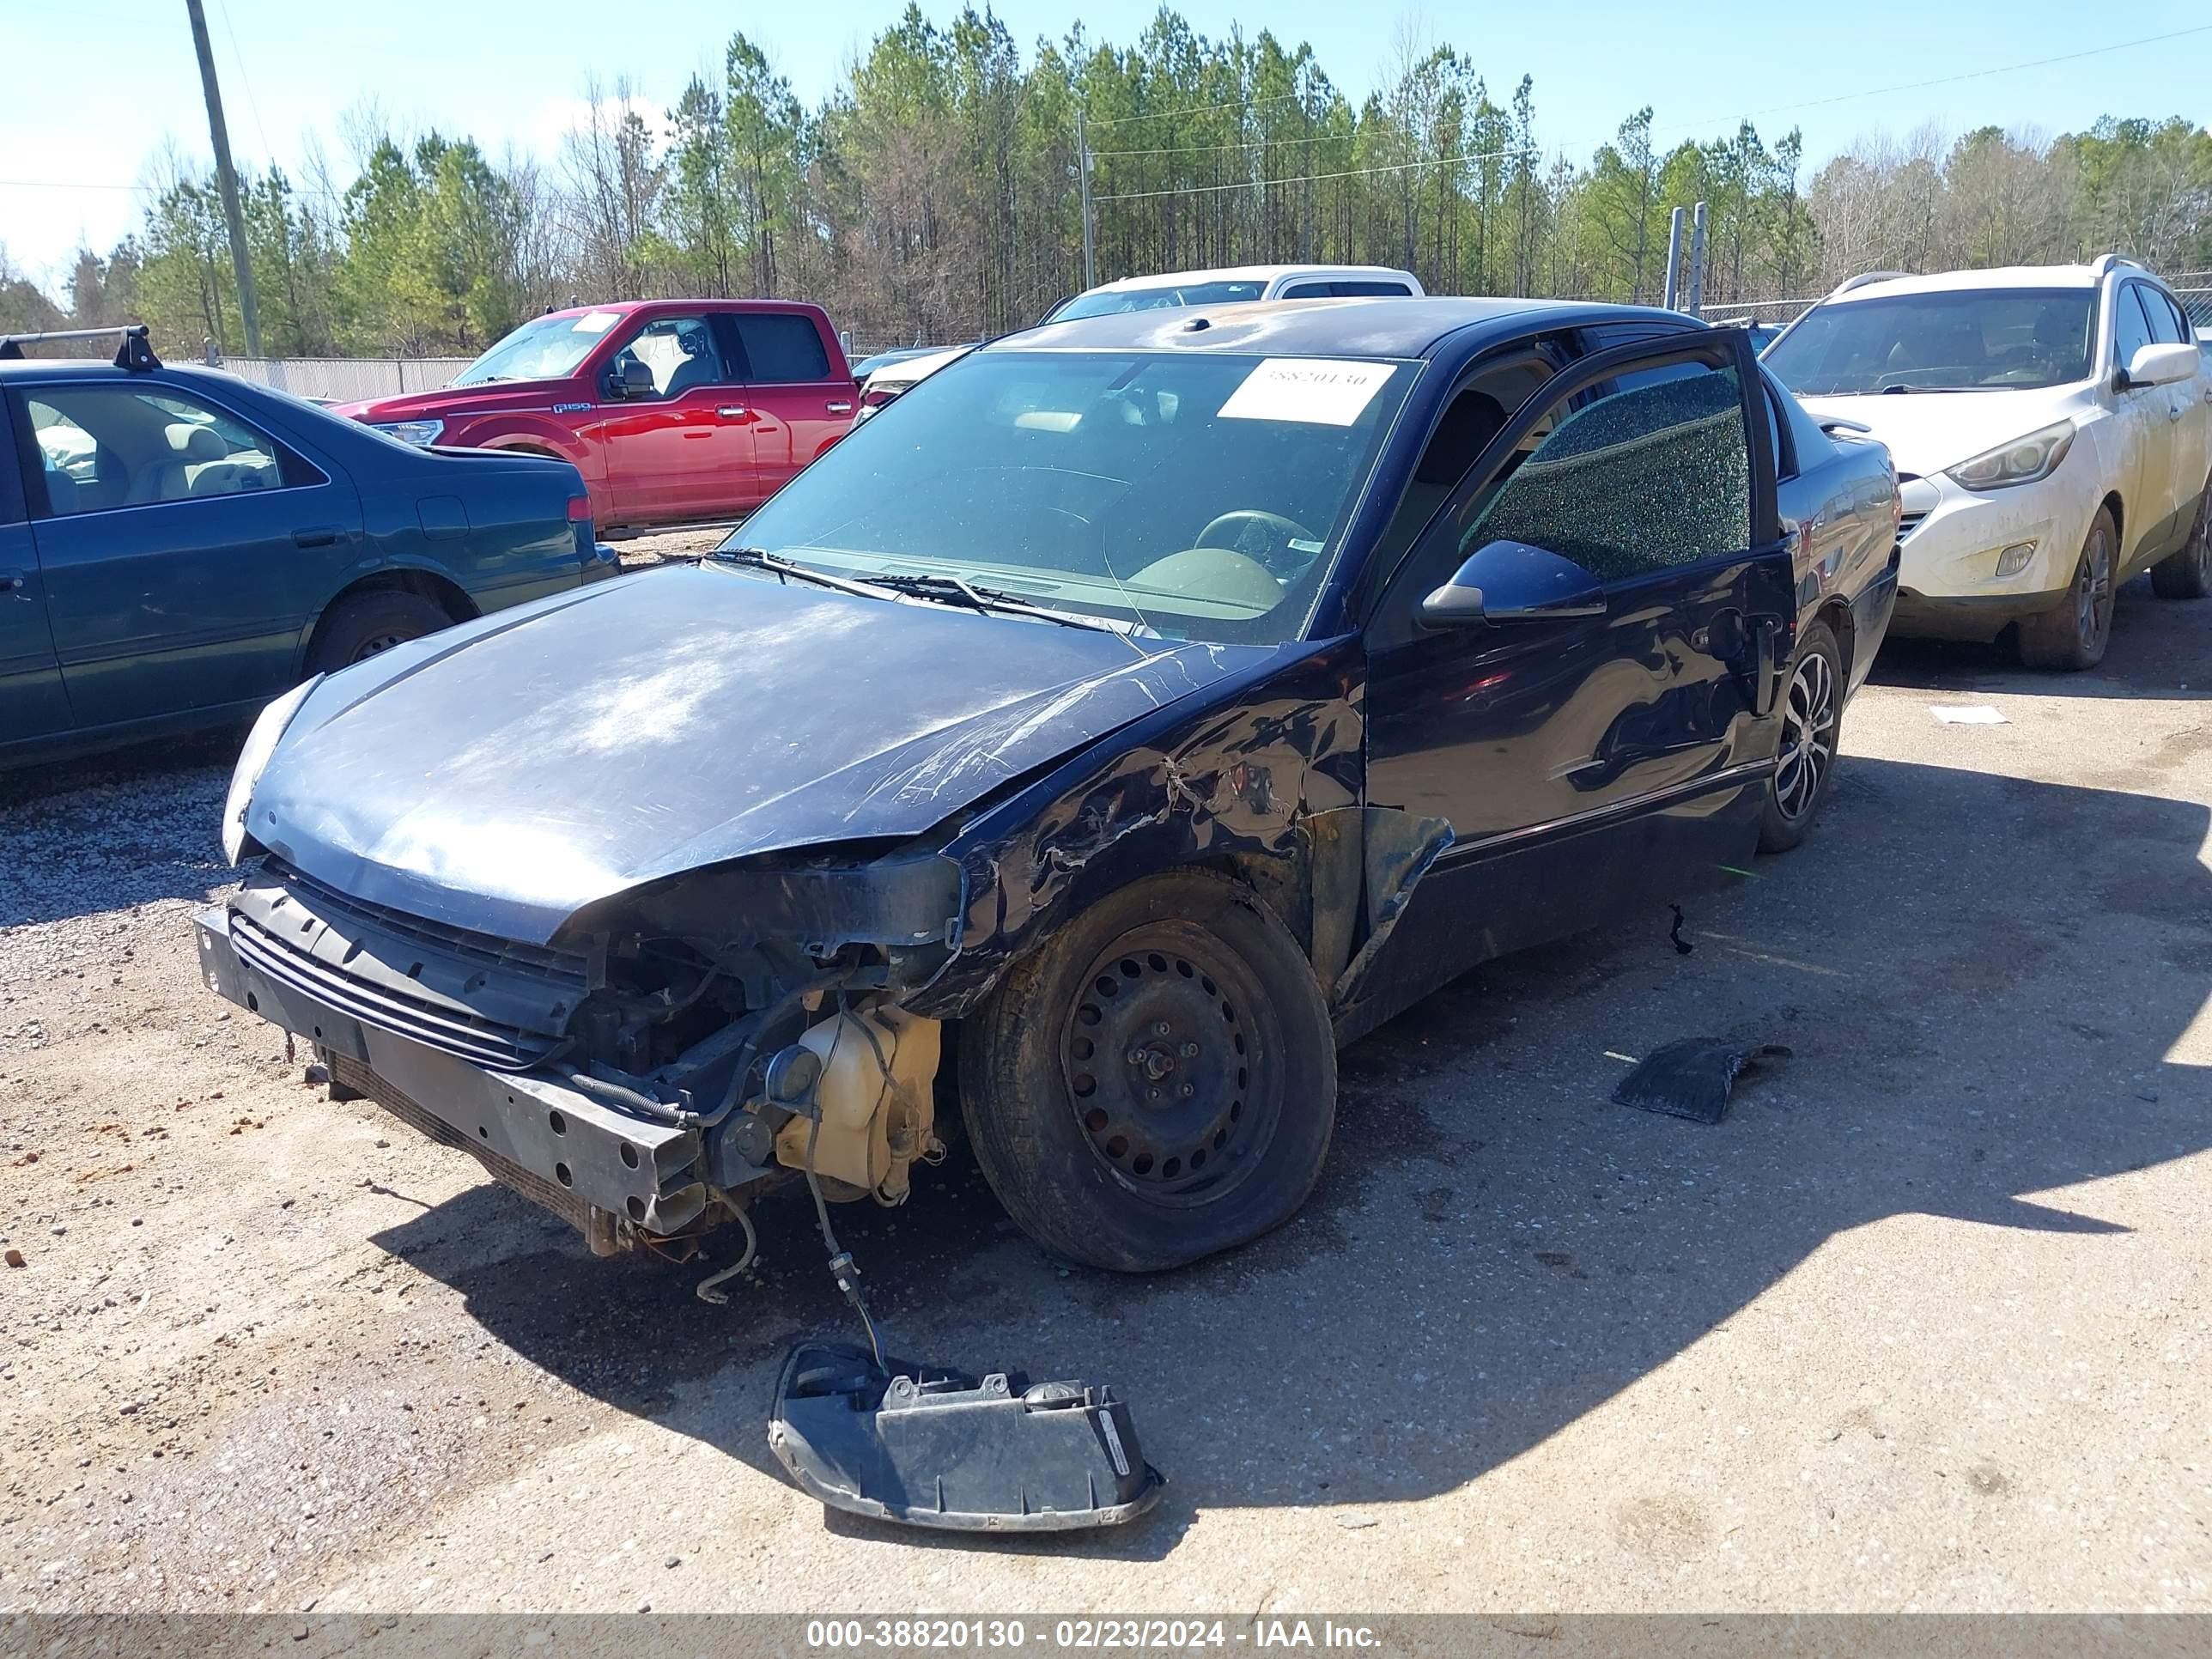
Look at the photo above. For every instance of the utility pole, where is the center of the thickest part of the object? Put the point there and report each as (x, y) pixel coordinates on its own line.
(1673, 259)
(228, 177)
(1697, 306)
(1083, 177)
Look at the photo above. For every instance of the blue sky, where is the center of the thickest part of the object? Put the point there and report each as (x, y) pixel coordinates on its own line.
(96, 88)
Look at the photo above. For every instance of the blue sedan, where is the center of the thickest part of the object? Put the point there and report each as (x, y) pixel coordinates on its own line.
(1138, 710)
(178, 546)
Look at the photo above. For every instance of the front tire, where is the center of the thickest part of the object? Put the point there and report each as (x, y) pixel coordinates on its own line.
(2187, 575)
(1811, 722)
(1158, 1081)
(2072, 635)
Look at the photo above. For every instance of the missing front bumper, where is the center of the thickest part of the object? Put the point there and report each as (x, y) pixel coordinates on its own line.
(549, 1142)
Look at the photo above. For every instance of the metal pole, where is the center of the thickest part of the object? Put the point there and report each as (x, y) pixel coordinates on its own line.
(1082, 177)
(1697, 306)
(1673, 257)
(228, 177)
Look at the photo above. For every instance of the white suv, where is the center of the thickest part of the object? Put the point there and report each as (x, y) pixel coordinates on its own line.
(2052, 429)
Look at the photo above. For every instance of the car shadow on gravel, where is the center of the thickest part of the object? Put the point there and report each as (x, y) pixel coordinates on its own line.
(1495, 1249)
(115, 830)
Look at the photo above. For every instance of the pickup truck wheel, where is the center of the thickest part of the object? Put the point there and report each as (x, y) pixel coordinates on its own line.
(1812, 719)
(1158, 1082)
(2188, 574)
(2071, 635)
(360, 627)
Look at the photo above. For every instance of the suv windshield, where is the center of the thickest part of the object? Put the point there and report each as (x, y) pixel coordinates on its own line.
(1195, 495)
(543, 348)
(1107, 304)
(1986, 340)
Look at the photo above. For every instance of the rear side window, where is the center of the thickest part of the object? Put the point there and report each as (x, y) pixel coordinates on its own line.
(100, 447)
(1365, 288)
(781, 347)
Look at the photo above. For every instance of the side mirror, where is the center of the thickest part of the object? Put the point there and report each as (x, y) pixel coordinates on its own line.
(2163, 365)
(1513, 582)
(630, 378)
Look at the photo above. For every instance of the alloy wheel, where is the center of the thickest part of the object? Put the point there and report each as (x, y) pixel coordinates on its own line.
(1809, 736)
(2092, 592)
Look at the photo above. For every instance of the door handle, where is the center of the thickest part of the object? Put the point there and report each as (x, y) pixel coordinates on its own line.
(734, 411)
(13, 581)
(841, 407)
(321, 535)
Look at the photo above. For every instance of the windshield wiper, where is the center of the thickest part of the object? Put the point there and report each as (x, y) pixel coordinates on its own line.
(759, 558)
(989, 601)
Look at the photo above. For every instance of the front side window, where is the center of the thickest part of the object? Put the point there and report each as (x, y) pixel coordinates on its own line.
(1195, 495)
(778, 348)
(2130, 328)
(678, 353)
(1985, 340)
(543, 348)
(1644, 477)
(107, 446)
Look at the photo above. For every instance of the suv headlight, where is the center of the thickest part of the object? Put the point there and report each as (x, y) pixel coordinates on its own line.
(252, 761)
(2022, 461)
(420, 433)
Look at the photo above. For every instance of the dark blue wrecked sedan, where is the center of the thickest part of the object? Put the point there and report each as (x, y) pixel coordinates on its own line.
(1133, 713)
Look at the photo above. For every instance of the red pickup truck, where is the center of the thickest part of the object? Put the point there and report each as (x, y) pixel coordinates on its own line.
(675, 411)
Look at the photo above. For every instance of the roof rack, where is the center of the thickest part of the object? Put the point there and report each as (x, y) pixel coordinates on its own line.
(135, 352)
(1864, 278)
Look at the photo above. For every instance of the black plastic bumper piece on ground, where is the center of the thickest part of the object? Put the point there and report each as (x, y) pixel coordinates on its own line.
(1692, 1078)
(932, 1447)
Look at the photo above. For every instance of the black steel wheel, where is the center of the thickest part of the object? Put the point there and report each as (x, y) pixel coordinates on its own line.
(1158, 1081)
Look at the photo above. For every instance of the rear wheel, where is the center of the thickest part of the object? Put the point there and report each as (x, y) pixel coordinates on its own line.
(1812, 720)
(1158, 1082)
(2072, 635)
(359, 627)
(2188, 574)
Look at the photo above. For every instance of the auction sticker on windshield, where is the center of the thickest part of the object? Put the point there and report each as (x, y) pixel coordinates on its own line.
(597, 322)
(1324, 391)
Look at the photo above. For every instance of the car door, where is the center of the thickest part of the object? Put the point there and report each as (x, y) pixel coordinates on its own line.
(183, 561)
(681, 447)
(797, 405)
(33, 704)
(2188, 415)
(2147, 490)
(1588, 762)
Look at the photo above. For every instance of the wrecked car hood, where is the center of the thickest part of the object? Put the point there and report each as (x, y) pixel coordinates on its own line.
(500, 775)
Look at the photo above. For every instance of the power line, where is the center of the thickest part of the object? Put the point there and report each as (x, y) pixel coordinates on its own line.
(246, 81)
(1316, 177)
(1226, 143)
(1200, 109)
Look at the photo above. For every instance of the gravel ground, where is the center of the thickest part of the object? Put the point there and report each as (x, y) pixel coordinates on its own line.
(1923, 1325)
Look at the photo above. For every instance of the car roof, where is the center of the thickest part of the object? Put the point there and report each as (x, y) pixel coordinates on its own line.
(1388, 326)
(1238, 274)
(1999, 276)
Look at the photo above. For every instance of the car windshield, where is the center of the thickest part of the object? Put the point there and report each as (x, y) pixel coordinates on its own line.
(1985, 340)
(543, 348)
(1107, 303)
(1193, 494)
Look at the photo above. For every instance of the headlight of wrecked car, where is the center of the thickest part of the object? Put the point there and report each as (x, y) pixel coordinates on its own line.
(422, 432)
(2022, 461)
(260, 744)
